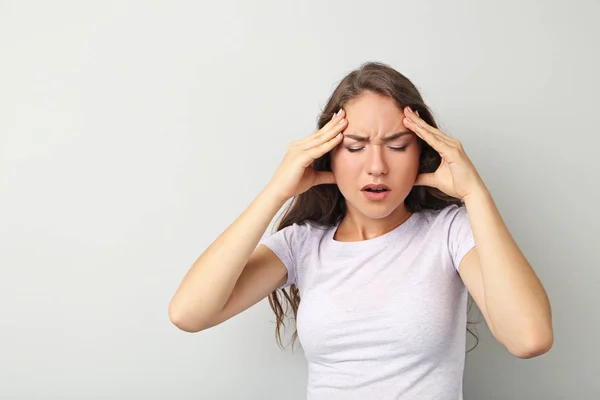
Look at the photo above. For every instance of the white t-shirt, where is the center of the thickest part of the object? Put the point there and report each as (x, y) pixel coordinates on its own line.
(383, 318)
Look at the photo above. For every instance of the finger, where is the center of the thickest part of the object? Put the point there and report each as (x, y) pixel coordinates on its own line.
(331, 124)
(415, 117)
(431, 139)
(326, 135)
(336, 117)
(318, 151)
(425, 180)
(324, 178)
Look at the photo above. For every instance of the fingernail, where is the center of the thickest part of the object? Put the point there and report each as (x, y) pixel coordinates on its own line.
(409, 110)
(339, 112)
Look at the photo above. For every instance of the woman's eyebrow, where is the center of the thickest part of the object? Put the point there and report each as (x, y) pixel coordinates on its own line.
(385, 139)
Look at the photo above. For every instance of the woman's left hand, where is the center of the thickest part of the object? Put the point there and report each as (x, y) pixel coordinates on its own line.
(456, 176)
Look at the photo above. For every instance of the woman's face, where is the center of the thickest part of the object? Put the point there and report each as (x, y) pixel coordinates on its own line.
(377, 149)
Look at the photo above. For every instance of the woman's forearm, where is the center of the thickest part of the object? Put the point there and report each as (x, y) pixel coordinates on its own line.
(210, 281)
(515, 299)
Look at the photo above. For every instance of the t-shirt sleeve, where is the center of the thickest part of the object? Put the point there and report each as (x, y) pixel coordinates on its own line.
(285, 244)
(460, 235)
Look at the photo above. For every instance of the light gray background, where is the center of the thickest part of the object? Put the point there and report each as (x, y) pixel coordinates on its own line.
(133, 133)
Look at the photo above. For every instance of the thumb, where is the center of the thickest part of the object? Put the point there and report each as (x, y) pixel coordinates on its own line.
(324, 177)
(425, 180)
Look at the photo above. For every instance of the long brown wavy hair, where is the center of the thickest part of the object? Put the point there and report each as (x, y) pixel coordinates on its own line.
(325, 204)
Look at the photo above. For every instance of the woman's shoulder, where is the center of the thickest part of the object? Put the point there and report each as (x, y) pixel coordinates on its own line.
(444, 217)
(310, 228)
(303, 230)
(449, 210)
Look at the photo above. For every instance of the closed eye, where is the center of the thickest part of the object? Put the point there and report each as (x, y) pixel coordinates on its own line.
(356, 149)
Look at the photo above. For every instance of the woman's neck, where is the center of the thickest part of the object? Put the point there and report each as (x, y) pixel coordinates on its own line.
(356, 226)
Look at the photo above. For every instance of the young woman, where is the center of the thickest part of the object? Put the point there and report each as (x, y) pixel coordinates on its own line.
(390, 229)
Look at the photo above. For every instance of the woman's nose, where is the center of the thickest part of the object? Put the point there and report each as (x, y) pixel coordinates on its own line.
(376, 164)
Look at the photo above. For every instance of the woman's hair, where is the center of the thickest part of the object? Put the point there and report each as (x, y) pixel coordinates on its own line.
(325, 204)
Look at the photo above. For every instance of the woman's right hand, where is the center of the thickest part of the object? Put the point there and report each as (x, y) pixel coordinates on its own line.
(295, 174)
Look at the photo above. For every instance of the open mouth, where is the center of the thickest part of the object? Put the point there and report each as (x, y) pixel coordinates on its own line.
(376, 191)
(372, 190)
(376, 188)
